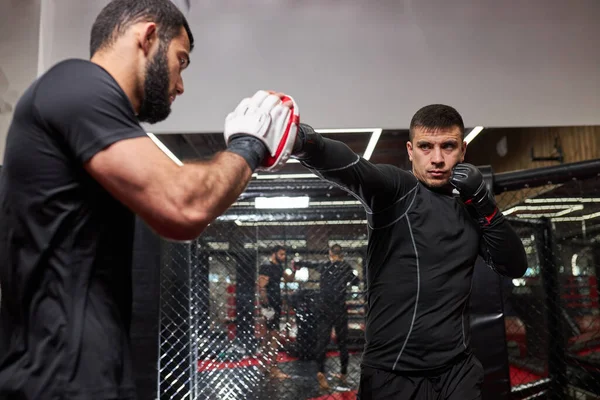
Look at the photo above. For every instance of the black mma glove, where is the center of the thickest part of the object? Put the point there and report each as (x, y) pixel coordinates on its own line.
(307, 141)
(501, 246)
(468, 180)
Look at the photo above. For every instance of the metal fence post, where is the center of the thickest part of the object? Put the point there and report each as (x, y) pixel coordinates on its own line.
(557, 369)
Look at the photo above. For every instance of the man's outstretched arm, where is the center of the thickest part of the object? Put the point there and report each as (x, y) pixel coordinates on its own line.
(179, 202)
(375, 185)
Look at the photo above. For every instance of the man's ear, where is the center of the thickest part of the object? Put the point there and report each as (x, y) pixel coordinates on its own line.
(409, 149)
(464, 151)
(148, 37)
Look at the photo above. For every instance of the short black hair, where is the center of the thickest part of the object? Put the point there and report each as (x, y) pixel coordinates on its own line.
(437, 116)
(118, 15)
(336, 249)
(277, 248)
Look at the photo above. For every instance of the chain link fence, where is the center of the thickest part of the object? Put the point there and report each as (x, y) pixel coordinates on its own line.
(221, 336)
(551, 314)
(218, 340)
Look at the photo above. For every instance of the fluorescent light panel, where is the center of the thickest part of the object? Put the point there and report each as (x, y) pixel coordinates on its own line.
(375, 135)
(565, 200)
(563, 208)
(164, 148)
(577, 219)
(281, 202)
(310, 203)
(284, 176)
(473, 134)
(372, 143)
(300, 223)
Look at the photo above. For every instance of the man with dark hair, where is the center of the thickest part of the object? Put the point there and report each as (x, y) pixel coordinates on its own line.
(78, 167)
(269, 290)
(335, 277)
(423, 244)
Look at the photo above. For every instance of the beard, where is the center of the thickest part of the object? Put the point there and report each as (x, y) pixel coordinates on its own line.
(156, 105)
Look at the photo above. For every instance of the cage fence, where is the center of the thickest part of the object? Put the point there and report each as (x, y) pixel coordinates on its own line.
(551, 314)
(215, 319)
(219, 339)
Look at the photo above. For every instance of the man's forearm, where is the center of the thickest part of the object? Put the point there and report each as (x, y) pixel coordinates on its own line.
(376, 186)
(209, 188)
(503, 249)
(289, 277)
(317, 152)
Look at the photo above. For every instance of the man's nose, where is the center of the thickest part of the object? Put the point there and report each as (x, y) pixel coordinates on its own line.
(437, 156)
(179, 86)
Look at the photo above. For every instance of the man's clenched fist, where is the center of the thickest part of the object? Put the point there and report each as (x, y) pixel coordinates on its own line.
(468, 180)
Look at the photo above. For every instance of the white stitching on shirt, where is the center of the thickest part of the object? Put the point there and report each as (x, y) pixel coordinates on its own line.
(404, 214)
(341, 168)
(397, 201)
(357, 197)
(463, 314)
(418, 292)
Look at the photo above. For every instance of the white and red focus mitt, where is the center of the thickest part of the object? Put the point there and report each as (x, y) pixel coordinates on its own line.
(265, 117)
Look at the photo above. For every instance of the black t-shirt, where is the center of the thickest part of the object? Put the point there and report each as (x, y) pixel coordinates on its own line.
(421, 253)
(65, 242)
(275, 273)
(333, 281)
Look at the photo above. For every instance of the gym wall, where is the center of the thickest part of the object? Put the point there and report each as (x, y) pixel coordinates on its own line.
(19, 39)
(362, 64)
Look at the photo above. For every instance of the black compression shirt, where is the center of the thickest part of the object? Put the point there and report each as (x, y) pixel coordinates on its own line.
(422, 248)
(334, 280)
(65, 242)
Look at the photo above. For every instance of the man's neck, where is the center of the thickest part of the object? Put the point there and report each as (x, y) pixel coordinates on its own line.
(123, 71)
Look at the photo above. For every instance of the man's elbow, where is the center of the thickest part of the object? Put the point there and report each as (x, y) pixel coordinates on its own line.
(513, 270)
(182, 225)
(516, 271)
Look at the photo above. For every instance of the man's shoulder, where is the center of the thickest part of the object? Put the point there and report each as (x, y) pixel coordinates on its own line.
(76, 78)
(74, 70)
(79, 88)
(267, 266)
(401, 173)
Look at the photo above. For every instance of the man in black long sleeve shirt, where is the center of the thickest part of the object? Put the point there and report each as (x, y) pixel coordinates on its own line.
(335, 276)
(423, 244)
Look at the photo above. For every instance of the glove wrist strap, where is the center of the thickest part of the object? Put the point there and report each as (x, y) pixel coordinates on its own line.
(308, 142)
(253, 150)
(484, 205)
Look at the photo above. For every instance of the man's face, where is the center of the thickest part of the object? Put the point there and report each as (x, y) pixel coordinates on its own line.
(434, 153)
(163, 81)
(280, 255)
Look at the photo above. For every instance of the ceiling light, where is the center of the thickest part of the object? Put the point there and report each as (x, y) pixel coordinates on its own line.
(281, 202)
(473, 134)
(372, 143)
(375, 134)
(285, 176)
(164, 149)
(310, 203)
(300, 223)
(565, 200)
(560, 210)
(577, 219)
